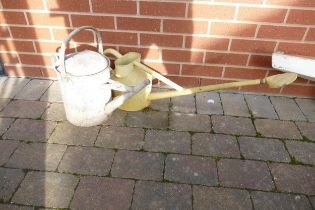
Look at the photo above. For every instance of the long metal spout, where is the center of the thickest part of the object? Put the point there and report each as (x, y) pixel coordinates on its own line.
(169, 94)
(275, 81)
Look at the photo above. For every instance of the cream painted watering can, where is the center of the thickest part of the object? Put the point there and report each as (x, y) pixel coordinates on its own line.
(86, 85)
(128, 69)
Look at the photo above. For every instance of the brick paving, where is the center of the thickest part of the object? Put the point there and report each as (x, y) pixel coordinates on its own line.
(263, 149)
(234, 104)
(287, 109)
(219, 145)
(167, 141)
(208, 103)
(204, 151)
(184, 104)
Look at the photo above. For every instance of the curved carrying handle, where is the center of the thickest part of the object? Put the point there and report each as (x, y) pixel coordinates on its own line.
(69, 37)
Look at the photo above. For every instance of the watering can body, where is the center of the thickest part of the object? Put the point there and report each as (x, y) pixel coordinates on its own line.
(84, 96)
(129, 74)
(86, 86)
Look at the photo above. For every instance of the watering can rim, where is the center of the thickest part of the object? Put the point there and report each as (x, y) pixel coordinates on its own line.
(84, 75)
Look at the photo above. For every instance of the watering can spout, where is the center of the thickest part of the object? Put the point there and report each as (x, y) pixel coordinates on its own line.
(119, 100)
(275, 81)
(129, 69)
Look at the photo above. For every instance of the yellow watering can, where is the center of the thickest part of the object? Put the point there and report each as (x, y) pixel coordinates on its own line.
(129, 71)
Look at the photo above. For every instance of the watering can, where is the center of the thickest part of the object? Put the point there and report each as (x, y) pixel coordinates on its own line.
(86, 86)
(128, 66)
(129, 71)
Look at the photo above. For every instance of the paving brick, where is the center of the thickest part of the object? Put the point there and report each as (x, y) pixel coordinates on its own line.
(312, 199)
(87, 160)
(263, 149)
(138, 165)
(277, 129)
(308, 108)
(38, 156)
(24, 109)
(6, 150)
(103, 193)
(161, 105)
(118, 118)
(5, 124)
(3, 102)
(191, 170)
(233, 125)
(66, 133)
(208, 103)
(260, 106)
(307, 129)
(9, 181)
(14, 207)
(121, 138)
(150, 119)
(245, 174)
(46, 189)
(302, 151)
(33, 90)
(190, 122)
(55, 112)
(294, 178)
(215, 145)
(30, 130)
(53, 93)
(155, 195)
(234, 104)
(167, 141)
(212, 198)
(287, 109)
(184, 104)
(11, 86)
(268, 200)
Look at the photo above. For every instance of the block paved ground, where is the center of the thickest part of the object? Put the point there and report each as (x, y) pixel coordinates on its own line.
(218, 150)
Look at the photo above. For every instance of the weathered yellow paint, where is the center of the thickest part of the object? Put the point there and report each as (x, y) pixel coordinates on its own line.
(129, 71)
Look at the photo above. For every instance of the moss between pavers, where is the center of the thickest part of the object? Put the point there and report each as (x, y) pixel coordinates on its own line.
(168, 181)
(170, 104)
(305, 139)
(216, 158)
(125, 119)
(275, 190)
(294, 161)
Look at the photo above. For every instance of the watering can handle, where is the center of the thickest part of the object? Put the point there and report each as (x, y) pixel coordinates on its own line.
(69, 37)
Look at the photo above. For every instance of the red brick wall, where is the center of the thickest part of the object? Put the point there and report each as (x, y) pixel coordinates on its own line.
(193, 43)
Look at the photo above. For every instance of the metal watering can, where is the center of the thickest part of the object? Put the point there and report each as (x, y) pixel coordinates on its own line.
(128, 68)
(86, 86)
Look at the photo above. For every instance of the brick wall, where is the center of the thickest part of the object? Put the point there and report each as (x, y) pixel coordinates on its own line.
(194, 43)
